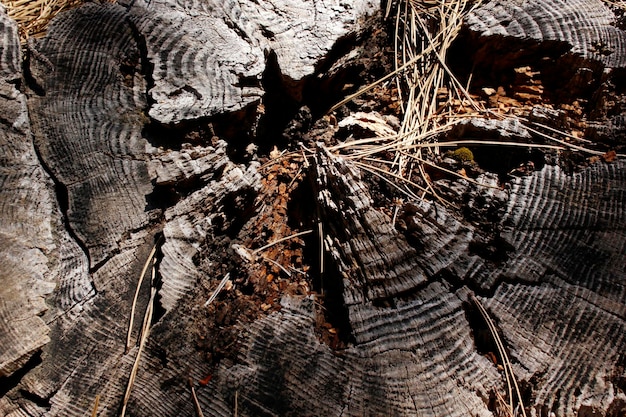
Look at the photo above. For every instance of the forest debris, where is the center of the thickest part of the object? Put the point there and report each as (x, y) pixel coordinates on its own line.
(205, 381)
(365, 124)
(194, 397)
(94, 413)
(610, 156)
(218, 289)
(139, 282)
(145, 331)
(244, 253)
(33, 16)
(269, 245)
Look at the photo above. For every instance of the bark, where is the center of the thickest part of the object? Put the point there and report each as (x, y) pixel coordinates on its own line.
(29, 212)
(124, 130)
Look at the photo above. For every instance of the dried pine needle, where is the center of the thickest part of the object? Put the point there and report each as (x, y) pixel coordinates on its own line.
(219, 288)
(135, 298)
(511, 380)
(33, 16)
(94, 413)
(194, 397)
(269, 245)
(142, 341)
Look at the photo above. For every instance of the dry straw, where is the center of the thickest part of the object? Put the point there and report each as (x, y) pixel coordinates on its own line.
(424, 32)
(433, 100)
(33, 16)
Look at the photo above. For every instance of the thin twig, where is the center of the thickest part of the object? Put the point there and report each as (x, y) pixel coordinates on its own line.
(506, 363)
(561, 132)
(381, 80)
(456, 174)
(218, 289)
(135, 298)
(194, 397)
(282, 268)
(320, 232)
(94, 413)
(142, 341)
(269, 245)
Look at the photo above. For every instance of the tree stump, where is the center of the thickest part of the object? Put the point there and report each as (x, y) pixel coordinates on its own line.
(277, 283)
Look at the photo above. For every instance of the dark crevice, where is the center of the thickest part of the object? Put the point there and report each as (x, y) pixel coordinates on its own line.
(111, 254)
(186, 88)
(496, 249)
(492, 61)
(329, 287)
(239, 207)
(172, 136)
(336, 76)
(282, 99)
(566, 77)
(291, 107)
(29, 78)
(147, 67)
(332, 312)
(484, 289)
(503, 161)
(158, 309)
(36, 399)
(483, 339)
(247, 81)
(167, 195)
(237, 128)
(8, 383)
(63, 199)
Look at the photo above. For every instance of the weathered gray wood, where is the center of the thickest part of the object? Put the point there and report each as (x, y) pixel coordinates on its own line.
(421, 366)
(92, 83)
(545, 254)
(195, 219)
(209, 57)
(585, 27)
(29, 211)
(375, 261)
(89, 133)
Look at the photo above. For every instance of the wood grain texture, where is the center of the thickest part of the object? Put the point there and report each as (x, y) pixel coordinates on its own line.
(29, 211)
(372, 255)
(421, 366)
(564, 368)
(569, 226)
(202, 64)
(567, 236)
(545, 254)
(209, 57)
(86, 354)
(195, 219)
(87, 125)
(586, 26)
(88, 122)
(571, 369)
(102, 69)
